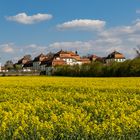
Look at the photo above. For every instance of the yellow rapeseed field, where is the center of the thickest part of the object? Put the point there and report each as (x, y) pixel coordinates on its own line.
(48, 108)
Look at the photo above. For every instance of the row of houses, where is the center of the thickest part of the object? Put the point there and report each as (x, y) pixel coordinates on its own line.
(45, 63)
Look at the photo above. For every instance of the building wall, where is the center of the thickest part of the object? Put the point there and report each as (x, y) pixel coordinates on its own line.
(49, 70)
(114, 60)
(43, 67)
(27, 69)
(36, 65)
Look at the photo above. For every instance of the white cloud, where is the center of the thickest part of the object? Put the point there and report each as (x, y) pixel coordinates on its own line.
(121, 38)
(122, 31)
(98, 46)
(83, 24)
(7, 48)
(34, 49)
(23, 18)
(80, 46)
(11, 51)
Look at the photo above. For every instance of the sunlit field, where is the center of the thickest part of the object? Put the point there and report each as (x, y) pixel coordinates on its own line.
(40, 108)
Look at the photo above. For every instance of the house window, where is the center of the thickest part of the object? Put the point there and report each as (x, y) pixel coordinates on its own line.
(58, 58)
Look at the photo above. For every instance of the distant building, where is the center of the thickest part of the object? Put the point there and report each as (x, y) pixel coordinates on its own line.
(24, 60)
(3, 69)
(63, 58)
(115, 57)
(37, 61)
(95, 58)
(47, 63)
(28, 66)
(22, 63)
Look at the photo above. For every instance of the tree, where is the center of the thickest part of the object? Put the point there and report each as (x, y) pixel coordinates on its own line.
(9, 65)
(137, 50)
(17, 67)
(135, 67)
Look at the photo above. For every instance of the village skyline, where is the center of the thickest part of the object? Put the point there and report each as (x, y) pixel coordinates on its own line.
(33, 56)
(45, 63)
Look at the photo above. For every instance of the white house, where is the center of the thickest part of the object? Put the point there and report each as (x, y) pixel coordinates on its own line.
(115, 57)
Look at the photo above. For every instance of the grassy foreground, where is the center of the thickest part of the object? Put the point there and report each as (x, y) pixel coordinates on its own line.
(38, 108)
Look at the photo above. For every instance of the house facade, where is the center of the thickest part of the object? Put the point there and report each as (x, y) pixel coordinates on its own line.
(23, 61)
(115, 57)
(21, 64)
(37, 61)
(28, 66)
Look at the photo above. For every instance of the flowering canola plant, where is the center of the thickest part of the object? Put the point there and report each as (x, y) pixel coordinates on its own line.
(52, 108)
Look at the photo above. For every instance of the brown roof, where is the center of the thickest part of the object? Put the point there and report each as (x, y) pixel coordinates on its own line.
(115, 55)
(38, 57)
(23, 60)
(66, 52)
(44, 61)
(94, 56)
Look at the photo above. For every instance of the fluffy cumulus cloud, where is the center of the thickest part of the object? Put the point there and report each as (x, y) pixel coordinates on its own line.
(7, 48)
(120, 38)
(23, 18)
(79, 46)
(11, 51)
(99, 46)
(123, 31)
(82, 24)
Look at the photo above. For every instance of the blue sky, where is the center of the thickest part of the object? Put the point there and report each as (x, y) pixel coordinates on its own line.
(88, 26)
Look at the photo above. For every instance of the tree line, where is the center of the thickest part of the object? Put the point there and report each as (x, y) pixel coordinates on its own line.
(97, 69)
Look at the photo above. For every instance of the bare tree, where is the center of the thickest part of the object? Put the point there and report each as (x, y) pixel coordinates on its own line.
(137, 50)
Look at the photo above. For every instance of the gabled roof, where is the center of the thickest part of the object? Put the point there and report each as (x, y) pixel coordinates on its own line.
(45, 60)
(115, 55)
(20, 61)
(94, 56)
(50, 54)
(38, 57)
(91, 57)
(49, 57)
(66, 52)
(58, 53)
